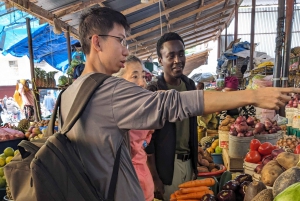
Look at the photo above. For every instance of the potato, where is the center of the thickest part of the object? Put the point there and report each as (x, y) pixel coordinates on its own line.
(214, 170)
(200, 150)
(208, 157)
(287, 160)
(225, 122)
(204, 162)
(271, 172)
(224, 128)
(286, 179)
(202, 169)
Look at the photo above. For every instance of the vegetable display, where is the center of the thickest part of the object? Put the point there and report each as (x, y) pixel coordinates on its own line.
(288, 143)
(205, 161)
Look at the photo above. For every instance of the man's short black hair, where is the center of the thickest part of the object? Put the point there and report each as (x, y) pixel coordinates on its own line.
(98, 21)
(167, 37)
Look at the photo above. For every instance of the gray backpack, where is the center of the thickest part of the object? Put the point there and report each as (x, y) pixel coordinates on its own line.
(52, 170)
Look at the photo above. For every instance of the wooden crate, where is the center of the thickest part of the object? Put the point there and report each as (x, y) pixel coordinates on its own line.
(232, 164)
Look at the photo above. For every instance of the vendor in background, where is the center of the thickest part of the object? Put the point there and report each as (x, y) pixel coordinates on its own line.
(24, 97)
(49, 102)
(200, 86)
(139, 139)
(231, 84)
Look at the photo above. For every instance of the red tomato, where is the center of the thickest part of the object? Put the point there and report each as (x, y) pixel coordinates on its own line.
(254, 144)
(253, 157)
(265, 148)
(297, 149)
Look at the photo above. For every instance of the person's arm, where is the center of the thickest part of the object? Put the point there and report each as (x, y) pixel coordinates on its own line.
(159, 189)
(137, 108)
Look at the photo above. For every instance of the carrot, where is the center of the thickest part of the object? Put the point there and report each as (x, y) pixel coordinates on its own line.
(177, 193)
(172, 196)
(193, 189)
(197, 195)
(195, 183)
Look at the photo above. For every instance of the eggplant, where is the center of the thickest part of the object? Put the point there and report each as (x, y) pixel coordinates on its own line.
(226, 195)
(243, 177)
(243, 187)
(231, 185)
(208, 197)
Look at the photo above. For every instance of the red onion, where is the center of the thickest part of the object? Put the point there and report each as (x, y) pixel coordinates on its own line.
(275, 152)
(240, 119)
(291, 102)
(255, 132)
(249, 134)
(268, 125)
(250, 121)
(259, 127)
(242, 127)
(233, 132)
(267, 159)
(240, 135)
(258, 168)
(232, 126)
(273, 130)
(278, 128)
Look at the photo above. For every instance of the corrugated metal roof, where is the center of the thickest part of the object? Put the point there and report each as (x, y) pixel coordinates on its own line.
(265, 27)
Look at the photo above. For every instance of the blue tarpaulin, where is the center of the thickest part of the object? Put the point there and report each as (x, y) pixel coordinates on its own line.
(46, 46)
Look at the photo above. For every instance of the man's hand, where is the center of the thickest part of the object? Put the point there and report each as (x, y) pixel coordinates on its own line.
(272, 97)
(159, 189)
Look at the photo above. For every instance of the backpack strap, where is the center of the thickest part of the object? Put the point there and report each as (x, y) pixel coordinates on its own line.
(85, 93)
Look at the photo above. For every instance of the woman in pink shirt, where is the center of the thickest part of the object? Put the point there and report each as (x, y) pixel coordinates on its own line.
(139, 139)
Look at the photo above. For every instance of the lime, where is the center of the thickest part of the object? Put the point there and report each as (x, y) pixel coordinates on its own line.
(16, 152)
(2, 156)
(2, 183)
(218, 150)
(2, 162)
(9, 151)
(8, 159)
(1, 172)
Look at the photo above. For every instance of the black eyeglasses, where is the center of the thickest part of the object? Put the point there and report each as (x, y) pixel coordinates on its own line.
(122, 40)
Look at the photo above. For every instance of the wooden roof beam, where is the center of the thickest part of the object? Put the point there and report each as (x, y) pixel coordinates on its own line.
(165, 12)
(162, 3)
(76, 8)
(175, 19)
(183, 26)
(154, 55)
(183, 36)
(187, 42)
(138, 7)
(198, 15)
(39, 12)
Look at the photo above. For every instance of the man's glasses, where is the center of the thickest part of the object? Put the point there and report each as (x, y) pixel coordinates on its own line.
(122, 40)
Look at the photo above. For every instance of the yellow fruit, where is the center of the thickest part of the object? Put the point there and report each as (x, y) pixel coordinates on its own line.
(8, 159)
(2, 162)
(215, 143)
(16, 152)
(2, 156)
(2, 183)
(1, 172)
(210, 150)
(9, 151)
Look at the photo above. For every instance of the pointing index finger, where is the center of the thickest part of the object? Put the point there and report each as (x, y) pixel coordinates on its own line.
(290, 90)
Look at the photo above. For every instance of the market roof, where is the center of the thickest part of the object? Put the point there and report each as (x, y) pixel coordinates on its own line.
(197, 21)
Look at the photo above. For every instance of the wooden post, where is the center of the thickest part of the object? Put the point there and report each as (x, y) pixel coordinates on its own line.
(279, 44)
(69, 45)
(37, 108)
(236, 19)
(219, 46)
(252, 34)
(225, 37)
(287, 41)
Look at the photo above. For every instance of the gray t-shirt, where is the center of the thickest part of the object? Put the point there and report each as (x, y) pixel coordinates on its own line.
(116, 107)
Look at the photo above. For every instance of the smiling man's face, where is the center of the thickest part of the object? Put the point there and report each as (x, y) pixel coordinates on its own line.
(172, 59)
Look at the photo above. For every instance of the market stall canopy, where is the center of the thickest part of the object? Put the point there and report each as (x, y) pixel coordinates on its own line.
(46, 46)
(197, 21)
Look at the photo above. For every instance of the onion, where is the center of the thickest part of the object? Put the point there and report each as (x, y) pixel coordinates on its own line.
(249, 134)
(240, 135)
(242, 127)
(232, 126)
(260, 127)
(233, 132)
(250, 121)
(240, 119)
(275, 152)
(268, 125)
(258, 168)
(272, 130)
(290, 102)
(267, 159)
(255, 132)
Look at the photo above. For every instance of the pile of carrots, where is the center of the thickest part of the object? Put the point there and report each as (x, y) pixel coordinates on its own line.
(193, 190)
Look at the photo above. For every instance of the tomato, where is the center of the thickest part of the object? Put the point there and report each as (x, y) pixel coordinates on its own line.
(253, 157)
(254, 144)
(297, 149)
(265, 148)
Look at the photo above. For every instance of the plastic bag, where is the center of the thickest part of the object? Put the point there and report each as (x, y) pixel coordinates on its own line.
(280, 120)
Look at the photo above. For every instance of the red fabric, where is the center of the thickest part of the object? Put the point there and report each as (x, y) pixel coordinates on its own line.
(231, 82)
(139, 161)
